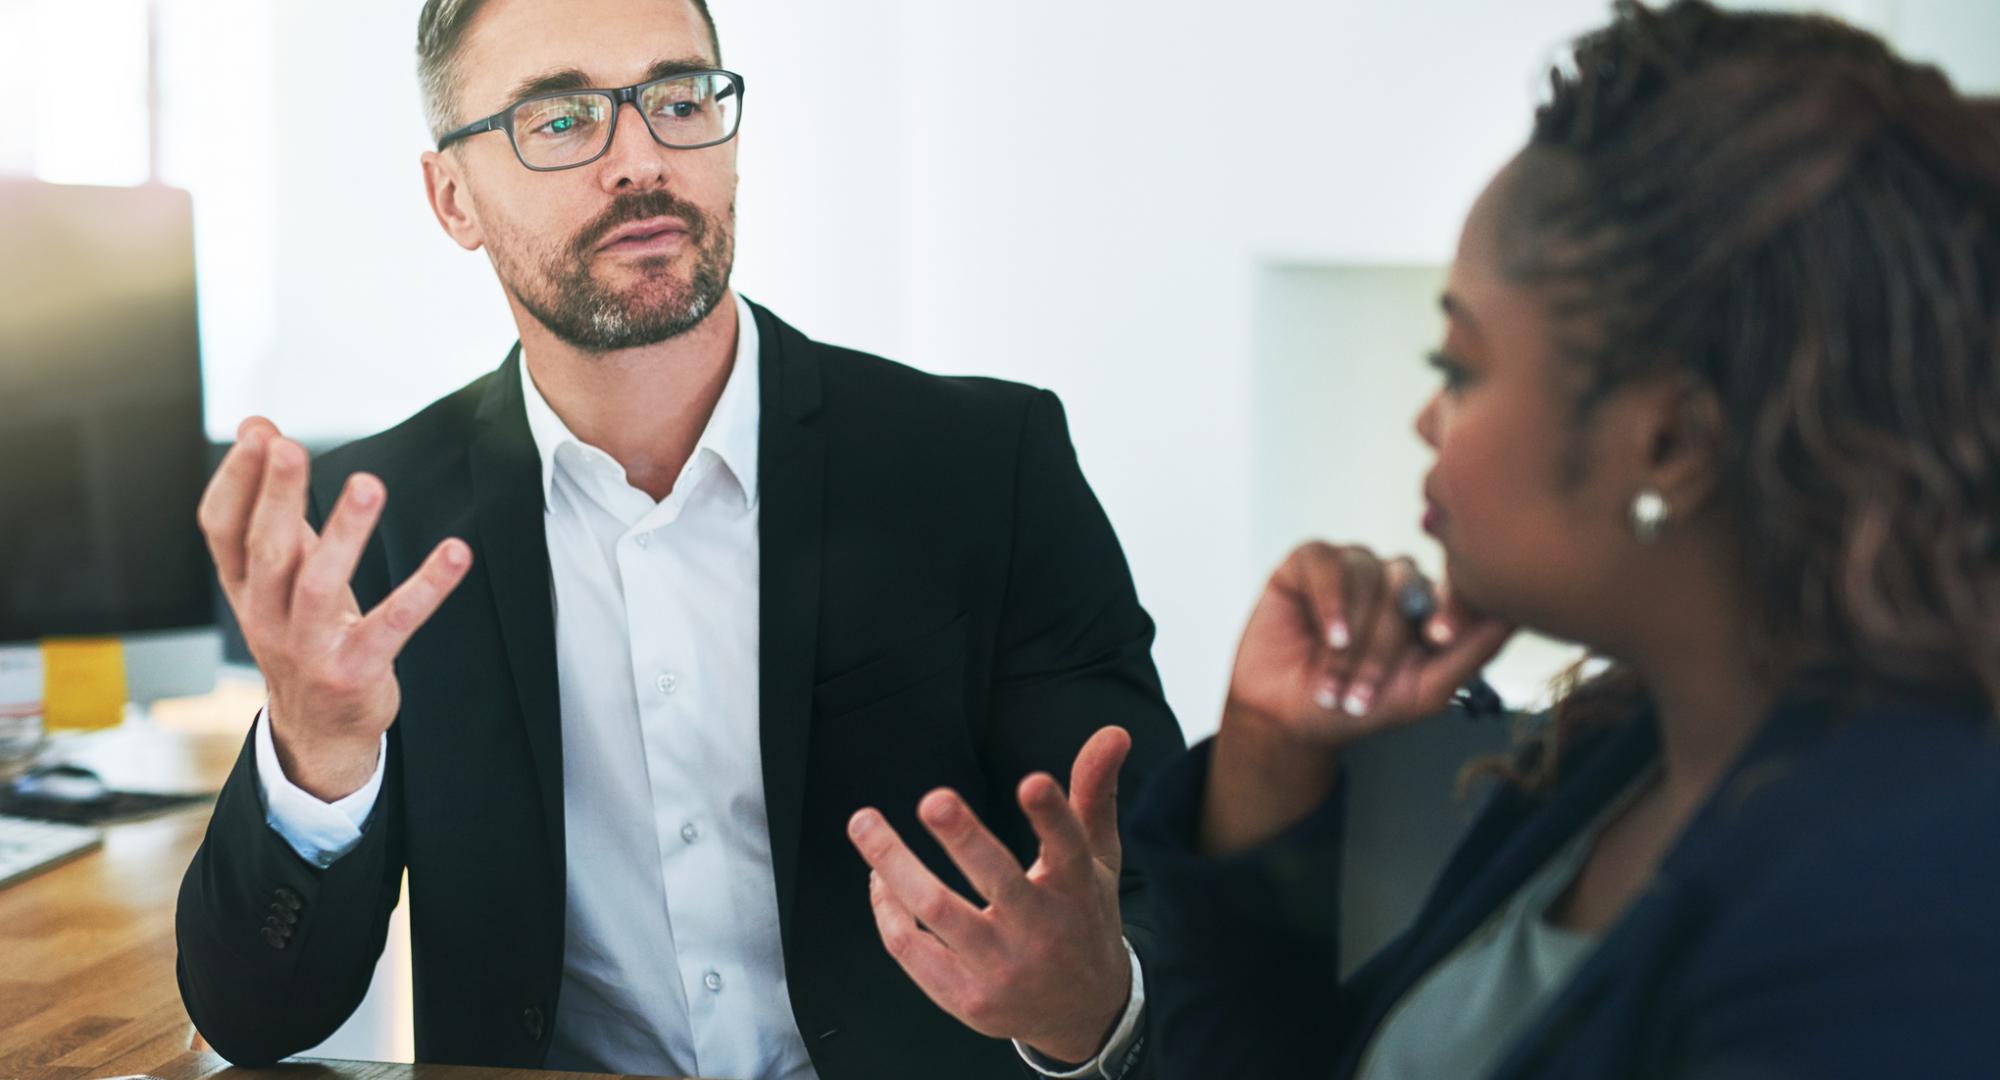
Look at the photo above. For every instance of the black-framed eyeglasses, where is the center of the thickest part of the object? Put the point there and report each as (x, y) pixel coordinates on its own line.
(567, 128)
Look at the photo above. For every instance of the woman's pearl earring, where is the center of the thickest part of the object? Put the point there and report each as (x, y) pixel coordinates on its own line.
(1649, 515)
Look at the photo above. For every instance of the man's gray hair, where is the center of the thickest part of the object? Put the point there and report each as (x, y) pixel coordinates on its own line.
(441, 31)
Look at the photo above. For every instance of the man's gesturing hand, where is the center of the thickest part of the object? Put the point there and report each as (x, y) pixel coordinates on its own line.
(330, 668)
(1044, 961)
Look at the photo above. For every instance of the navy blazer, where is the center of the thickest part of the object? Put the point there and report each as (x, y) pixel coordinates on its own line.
(1832, 911)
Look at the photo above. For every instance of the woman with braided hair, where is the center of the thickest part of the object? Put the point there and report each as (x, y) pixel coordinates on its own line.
(1720, 401)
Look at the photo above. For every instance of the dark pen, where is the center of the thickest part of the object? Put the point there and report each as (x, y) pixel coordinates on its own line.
(1417, 602)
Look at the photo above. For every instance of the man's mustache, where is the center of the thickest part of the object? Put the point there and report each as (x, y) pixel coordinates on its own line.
(638, 208)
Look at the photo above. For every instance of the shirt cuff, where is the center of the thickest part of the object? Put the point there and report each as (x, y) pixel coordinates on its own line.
(319, 831)
(1113, 1061)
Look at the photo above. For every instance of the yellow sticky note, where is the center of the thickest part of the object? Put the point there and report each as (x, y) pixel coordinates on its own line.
(83, 683)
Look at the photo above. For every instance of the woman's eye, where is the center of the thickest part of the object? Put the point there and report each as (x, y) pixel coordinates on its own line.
(1453, 373)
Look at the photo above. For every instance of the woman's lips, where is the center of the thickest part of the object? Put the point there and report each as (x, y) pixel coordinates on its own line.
(1433, 519)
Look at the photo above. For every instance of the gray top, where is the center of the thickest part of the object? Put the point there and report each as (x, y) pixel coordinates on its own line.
(1463, 1016)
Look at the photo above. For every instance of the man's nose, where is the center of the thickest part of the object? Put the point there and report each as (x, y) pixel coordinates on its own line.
(635, 159)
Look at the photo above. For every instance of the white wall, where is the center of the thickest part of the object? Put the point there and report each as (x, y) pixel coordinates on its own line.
(1082, 196)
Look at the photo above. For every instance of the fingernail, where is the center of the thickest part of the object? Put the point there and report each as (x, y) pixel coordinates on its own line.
(861, 825)
(1336, 634)
(1357, 701)
(365, 493)
(456, 554)
(940, 810)
(254, 441)
(1440, 631)
(1327, 697)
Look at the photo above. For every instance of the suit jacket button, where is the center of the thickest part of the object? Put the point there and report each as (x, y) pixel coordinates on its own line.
(531, 1022)
(288, 898)
(282, 914)
(273, 938)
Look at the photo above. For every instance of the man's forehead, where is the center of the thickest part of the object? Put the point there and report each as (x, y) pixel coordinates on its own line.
(611, 42)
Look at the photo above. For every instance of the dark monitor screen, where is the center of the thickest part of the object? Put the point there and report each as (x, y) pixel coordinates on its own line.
(102, 450)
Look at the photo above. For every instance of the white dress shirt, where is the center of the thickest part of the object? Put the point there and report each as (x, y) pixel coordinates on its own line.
(672, 963)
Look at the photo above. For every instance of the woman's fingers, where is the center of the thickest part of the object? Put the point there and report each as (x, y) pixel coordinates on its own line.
(1318, 569)
(1389, 639)
(1473, 646)
(1335, 648)
(1362, 577)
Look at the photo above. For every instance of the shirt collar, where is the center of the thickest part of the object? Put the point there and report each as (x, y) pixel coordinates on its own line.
(732, 428)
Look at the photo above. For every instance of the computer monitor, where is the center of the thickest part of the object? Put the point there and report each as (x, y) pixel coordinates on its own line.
(102, 451)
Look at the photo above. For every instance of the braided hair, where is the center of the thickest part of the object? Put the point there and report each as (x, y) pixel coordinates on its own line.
(1782, 208)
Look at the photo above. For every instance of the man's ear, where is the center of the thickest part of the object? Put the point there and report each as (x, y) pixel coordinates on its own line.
(451, 200)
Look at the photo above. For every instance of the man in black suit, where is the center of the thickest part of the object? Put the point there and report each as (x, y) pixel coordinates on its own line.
(662, 604)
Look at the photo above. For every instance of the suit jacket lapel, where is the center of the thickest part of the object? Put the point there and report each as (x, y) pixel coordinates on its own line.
(1644, 936)
(507, 490)
(792, 468)
(1448, 921)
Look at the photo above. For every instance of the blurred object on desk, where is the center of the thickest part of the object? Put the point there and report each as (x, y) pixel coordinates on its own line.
(83, 684)
(28, 847)
(229, 709)
(143, 767)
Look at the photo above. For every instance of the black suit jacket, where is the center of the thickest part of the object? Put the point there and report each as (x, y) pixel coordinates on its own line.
(943, 603)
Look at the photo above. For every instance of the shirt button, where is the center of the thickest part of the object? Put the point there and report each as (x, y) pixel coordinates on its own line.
(643, 539)
(666, 683)
(713, 981)
(690, 833)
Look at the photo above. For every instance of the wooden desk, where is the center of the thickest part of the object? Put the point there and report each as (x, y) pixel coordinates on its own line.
(87, 952)
(89, 986)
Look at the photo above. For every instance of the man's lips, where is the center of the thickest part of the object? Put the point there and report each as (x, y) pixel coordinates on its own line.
(645, 235)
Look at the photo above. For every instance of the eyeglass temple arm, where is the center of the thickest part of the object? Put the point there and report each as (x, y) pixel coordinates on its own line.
(473, 128)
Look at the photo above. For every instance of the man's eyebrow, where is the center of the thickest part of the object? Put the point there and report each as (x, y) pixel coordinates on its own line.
(561, 79)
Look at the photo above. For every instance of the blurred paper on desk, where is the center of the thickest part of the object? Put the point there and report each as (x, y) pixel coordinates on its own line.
(20, 705)
(83, 683)
(20, 681)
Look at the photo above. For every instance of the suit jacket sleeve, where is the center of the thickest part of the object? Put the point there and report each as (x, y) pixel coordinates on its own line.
(276, 953)
(1074, 648)
(1247, 969)
(1821, 971)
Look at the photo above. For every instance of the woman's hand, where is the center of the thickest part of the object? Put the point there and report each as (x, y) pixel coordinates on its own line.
(1327, 659)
